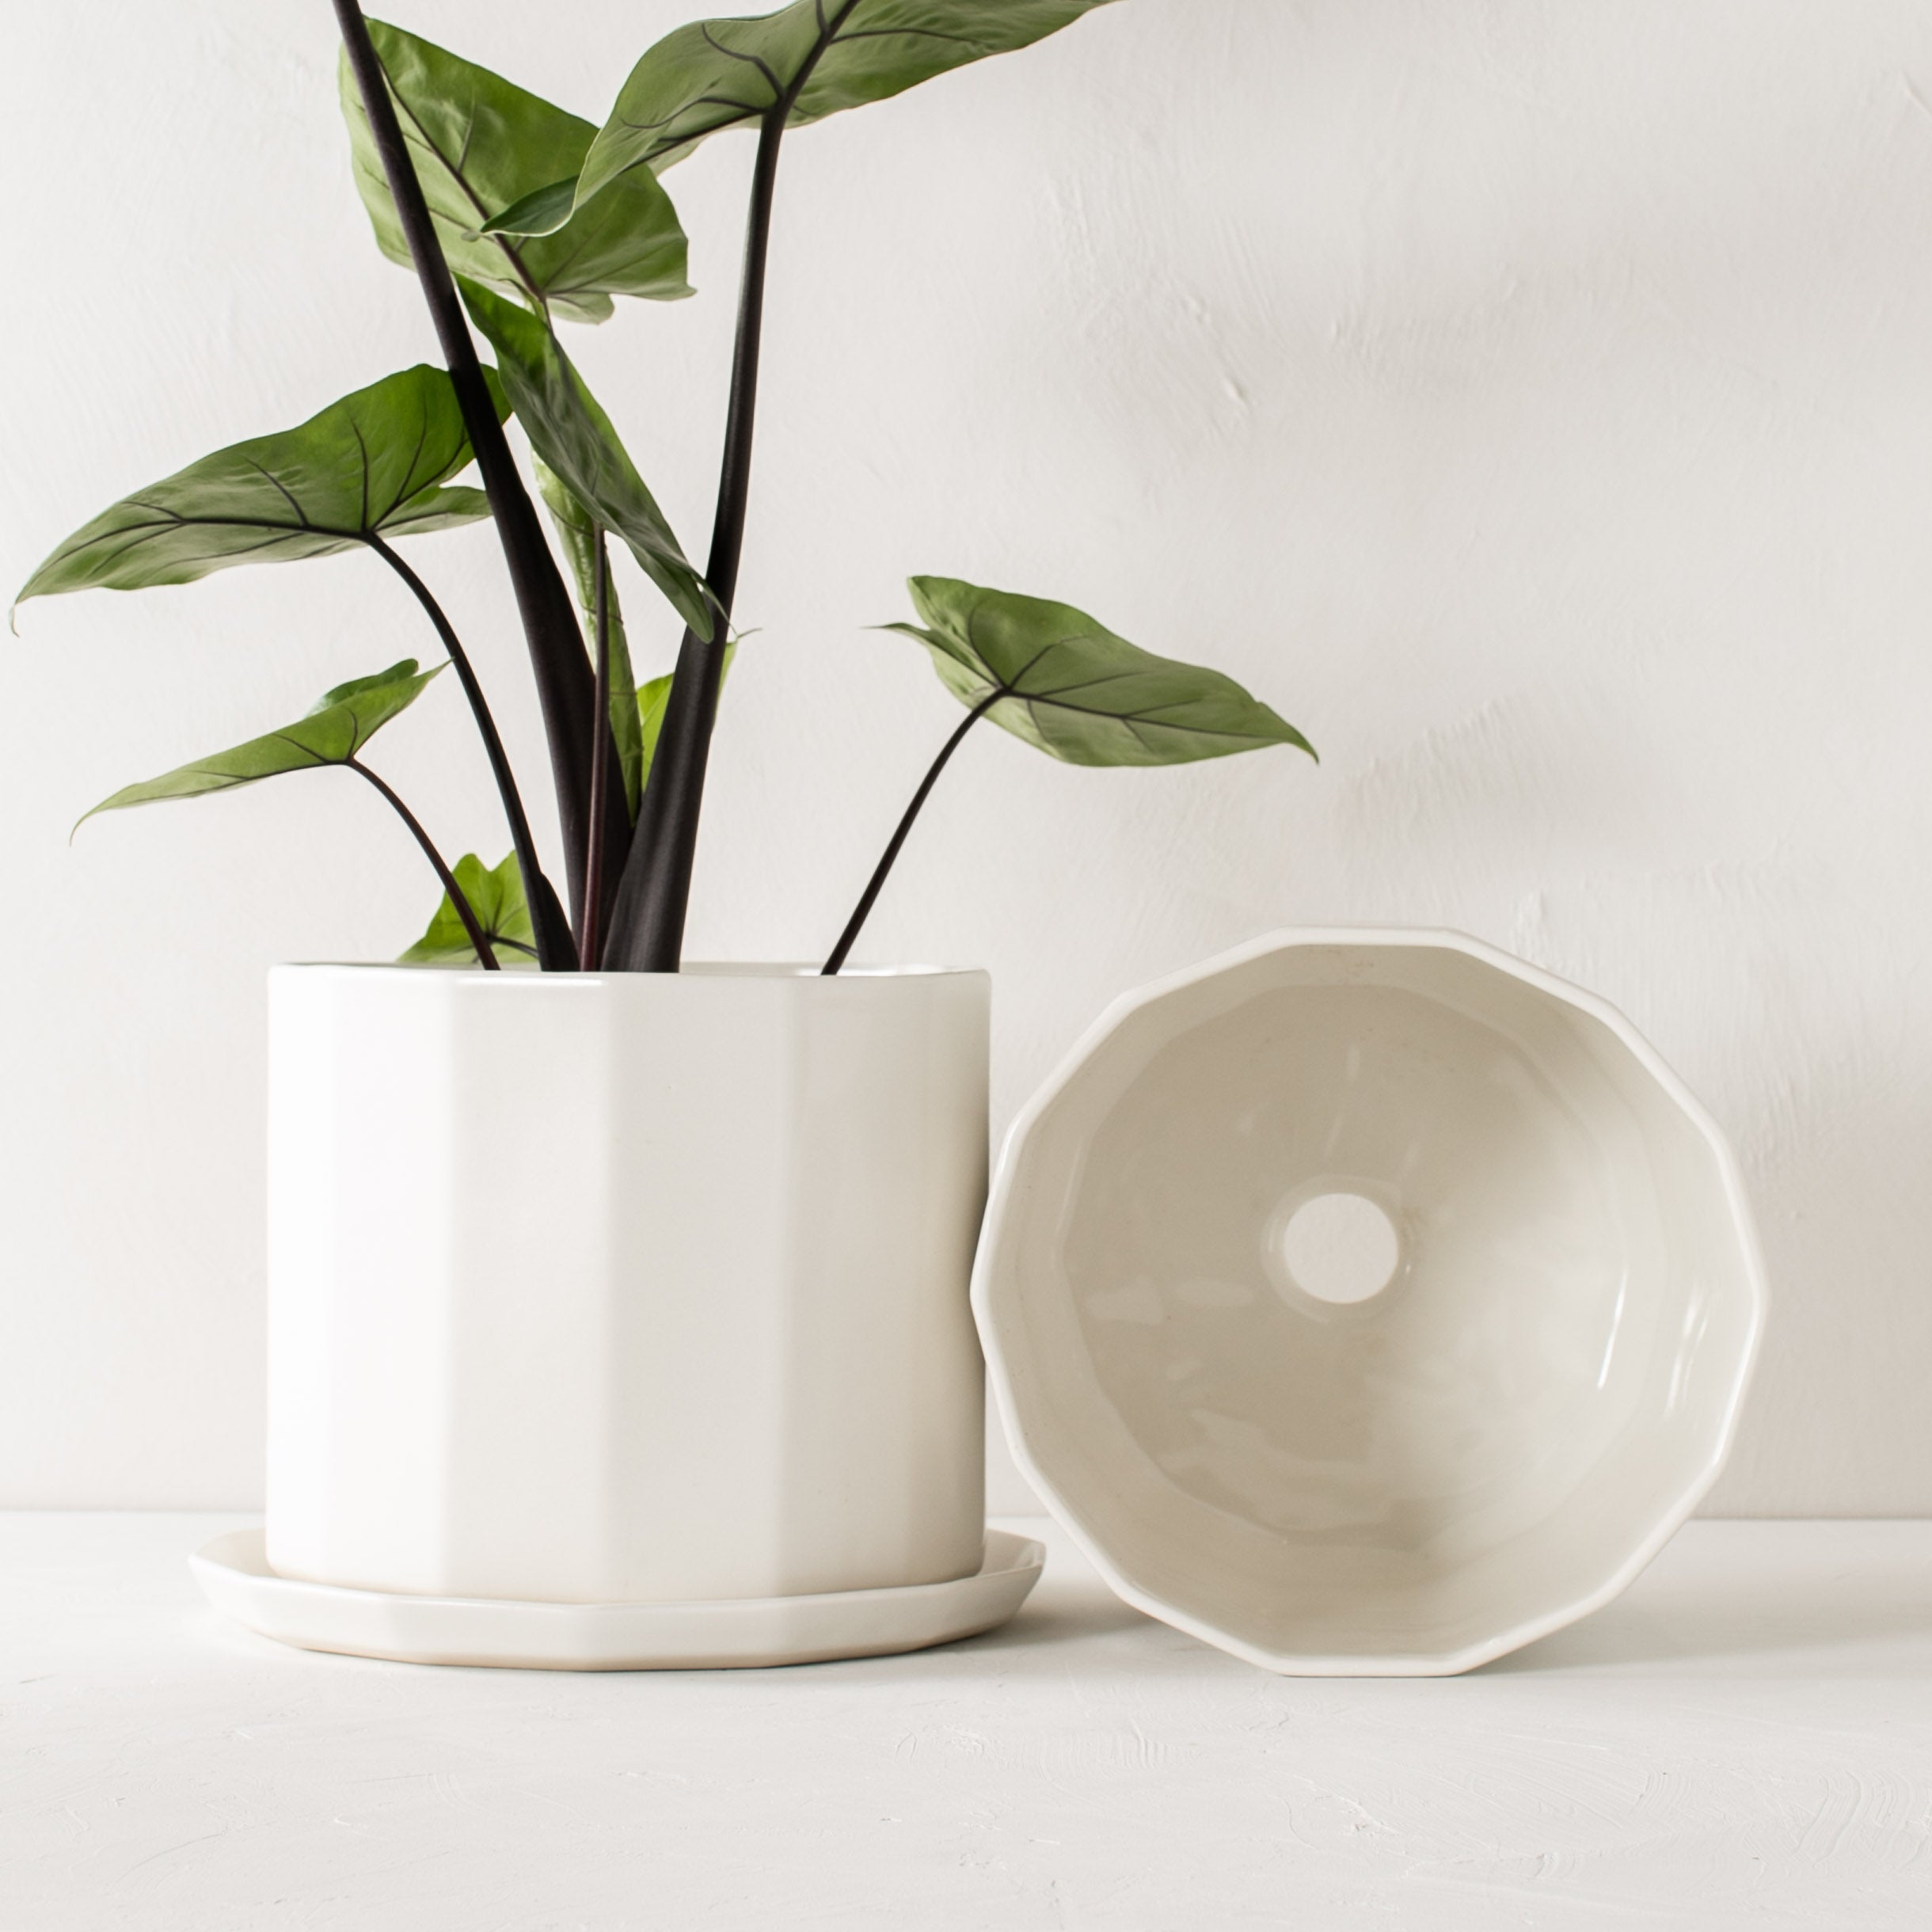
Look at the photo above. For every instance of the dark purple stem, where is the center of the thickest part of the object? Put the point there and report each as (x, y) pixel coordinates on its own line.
(562, 669)
(536, 886)
(590, 938)
(647, 923)
(863, 910)
(478, 937)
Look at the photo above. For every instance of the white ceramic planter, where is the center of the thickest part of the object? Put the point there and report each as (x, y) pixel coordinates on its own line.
(624, 1288)
(1555, 1300)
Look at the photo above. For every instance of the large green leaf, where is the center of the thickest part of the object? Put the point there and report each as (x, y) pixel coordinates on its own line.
(340, 724)
(480, 144)
(818, 56)
(578, 530)
(1069, 687)
(572, 434)
(372, 464)
(496, 896)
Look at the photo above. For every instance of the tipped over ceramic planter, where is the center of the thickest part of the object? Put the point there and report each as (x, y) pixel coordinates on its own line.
(1367, 1302)
(624, 1288)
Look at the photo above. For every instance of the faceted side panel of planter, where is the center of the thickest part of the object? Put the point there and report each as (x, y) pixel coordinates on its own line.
(621, 1288)
(1486, 1444)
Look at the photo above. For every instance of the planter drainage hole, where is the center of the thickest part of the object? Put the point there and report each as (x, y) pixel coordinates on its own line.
(1341, 1247)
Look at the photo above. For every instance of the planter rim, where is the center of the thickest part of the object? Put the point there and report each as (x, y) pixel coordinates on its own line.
(764, 972)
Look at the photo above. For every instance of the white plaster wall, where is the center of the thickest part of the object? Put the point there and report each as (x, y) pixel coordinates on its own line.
(1530, 399)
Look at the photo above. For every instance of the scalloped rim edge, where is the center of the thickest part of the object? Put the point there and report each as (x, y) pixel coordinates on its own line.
(1428, 1663)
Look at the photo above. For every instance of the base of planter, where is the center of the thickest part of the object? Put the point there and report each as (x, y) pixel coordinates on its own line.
(234, 1575)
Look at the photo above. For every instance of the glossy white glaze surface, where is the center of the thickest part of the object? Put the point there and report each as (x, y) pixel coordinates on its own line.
(1421, 1479)
(624, 1287)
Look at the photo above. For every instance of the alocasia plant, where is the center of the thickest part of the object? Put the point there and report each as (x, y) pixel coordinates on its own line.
(517, 215)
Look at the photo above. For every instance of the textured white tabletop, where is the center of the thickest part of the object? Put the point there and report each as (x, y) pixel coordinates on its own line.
(1744, 1740)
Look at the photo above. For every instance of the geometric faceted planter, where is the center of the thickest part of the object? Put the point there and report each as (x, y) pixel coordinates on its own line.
(1367, 1302)
(624, 1288)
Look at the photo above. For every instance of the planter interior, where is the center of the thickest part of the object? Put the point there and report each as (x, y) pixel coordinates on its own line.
(1368, 1302)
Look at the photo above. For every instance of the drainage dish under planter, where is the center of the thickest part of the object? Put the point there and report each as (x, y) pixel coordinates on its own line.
(235, 1577)
(625, 1289)
(1368, 1302)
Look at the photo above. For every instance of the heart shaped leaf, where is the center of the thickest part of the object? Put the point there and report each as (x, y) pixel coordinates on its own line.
(480, 144)
(334, 731)
(1069, 686)
(496, 896)
(572, 434)
(372, 464)
(815, 57)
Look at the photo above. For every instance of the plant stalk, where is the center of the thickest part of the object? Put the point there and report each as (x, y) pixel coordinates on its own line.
(647, 922)
(464, 911)
(590, 936)
(863, 910)
(562, 670)
(536, 885)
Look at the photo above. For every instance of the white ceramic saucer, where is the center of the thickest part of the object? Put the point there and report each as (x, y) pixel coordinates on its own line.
(236, 1579)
